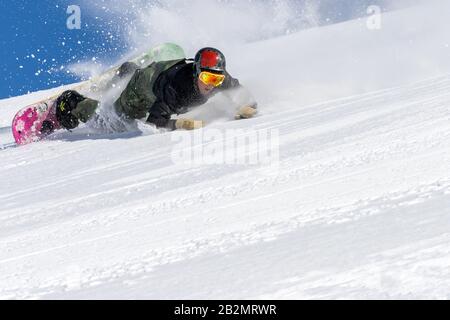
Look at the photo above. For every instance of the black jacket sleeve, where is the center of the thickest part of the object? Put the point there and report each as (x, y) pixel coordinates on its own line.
(160, 116)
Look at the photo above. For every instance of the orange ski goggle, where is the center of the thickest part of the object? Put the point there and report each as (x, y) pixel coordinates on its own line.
(212, 79)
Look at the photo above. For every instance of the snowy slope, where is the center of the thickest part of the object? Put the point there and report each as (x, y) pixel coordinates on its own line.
(358, 206)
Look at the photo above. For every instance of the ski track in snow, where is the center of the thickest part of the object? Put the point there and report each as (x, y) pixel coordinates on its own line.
(358, 208)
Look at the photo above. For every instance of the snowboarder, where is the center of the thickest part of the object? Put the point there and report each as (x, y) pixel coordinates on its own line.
(157, 92)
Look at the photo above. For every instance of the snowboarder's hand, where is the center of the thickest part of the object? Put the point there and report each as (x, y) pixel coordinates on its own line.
(246, 112)
(189, 124)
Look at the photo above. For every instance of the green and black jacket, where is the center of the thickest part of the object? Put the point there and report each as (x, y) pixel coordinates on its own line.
(163, 89)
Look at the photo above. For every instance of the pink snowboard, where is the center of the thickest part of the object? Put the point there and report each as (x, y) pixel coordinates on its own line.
(35, 122)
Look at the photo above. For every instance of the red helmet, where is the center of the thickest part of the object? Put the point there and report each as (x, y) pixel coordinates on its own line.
(209, 59)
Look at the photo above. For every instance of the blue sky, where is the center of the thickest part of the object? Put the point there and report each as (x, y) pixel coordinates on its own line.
(36, 42)
(37, 46)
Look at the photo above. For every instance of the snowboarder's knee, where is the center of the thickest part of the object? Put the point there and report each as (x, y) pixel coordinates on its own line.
(127, 69)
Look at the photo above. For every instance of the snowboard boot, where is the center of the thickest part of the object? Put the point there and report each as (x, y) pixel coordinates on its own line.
(47, 127)
(72, 107)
